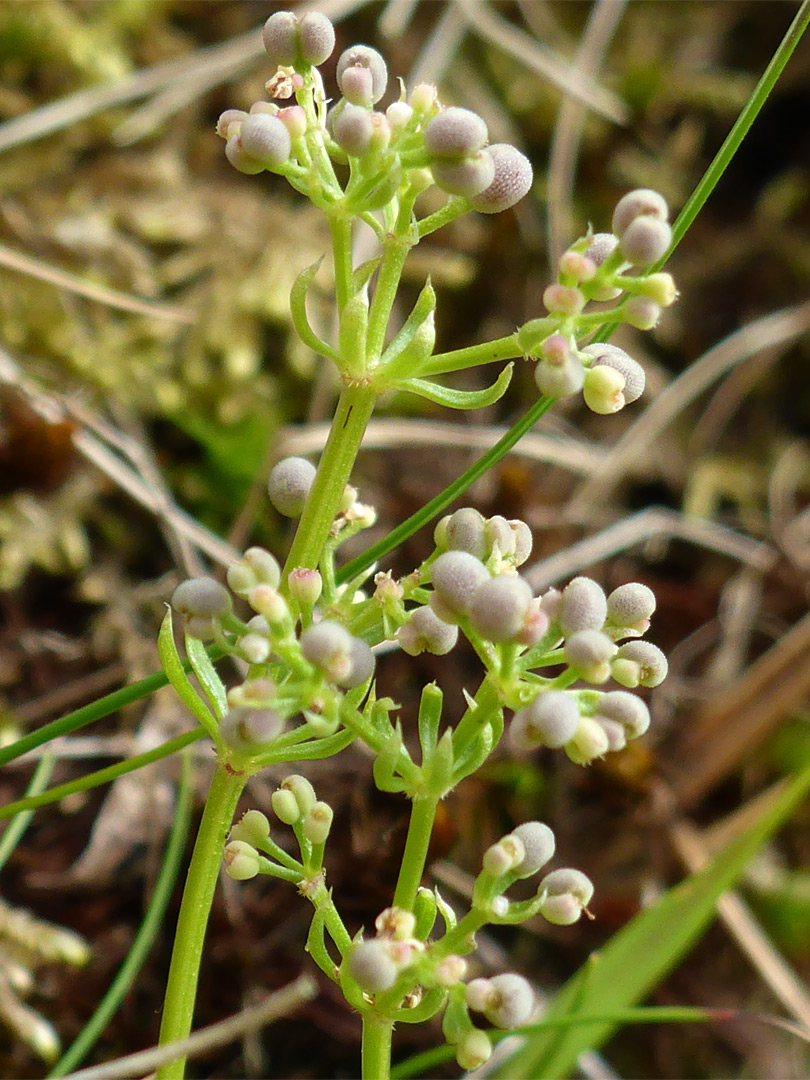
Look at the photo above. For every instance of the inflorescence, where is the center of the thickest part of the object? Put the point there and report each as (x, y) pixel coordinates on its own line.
(309, 643)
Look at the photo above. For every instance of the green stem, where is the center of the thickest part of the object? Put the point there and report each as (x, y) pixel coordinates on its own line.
(412, 868)
(376, 1049)
(192, 923)
(341, 230)
(354, 408)
(385, 291)
(488, 352)
(435, 507)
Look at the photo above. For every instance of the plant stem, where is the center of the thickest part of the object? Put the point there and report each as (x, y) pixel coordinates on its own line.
(192, 923)
(420, 829)
(354, 408)
(376, 1050)
(385, 291)
(341, 230)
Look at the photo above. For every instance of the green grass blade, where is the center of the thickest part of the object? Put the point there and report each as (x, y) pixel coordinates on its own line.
(142, 943)
(436, 505)
(102, 776)
(640, 955)
(14, 832)
(79, 718)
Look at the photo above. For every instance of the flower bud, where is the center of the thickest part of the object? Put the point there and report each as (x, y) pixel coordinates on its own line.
(256, 566)
(466, 178)
(568, 885)
(280, 38)
(563, 299)
(535, 624)
(560, 379)
(573, 264)
(641, 313)
(631, 606)
(353, 129)
(456, 575)
(294, 120)
(513, 179)
(396, 923)
(285, 806)
(660, 288)
(538, 846)
(238, 156)
(371, 966)
(637, 204)
(241, 860)
(605, 355)
(551, 720)
(267, 601)
(523, 540)
(423, 98)
(316, 38)
(289, 483)
(249, 730)
(230, 122)
(328, 646)
(626, 709)
(477, 993)
(255, 648)
(425, 632)
(465, 530)
(590, 741)
(302, 791)
(252, 828)
(499, 606)
(551, 602)
(603, 390)
(450, 971)
(639, 663)
(455, 134)
(365, 58)
(399, 115)
(500, 534)
(503, 857)
(601, 245)
(474, 1050)
(361, 665)
(583, 606)
(588, 653)
(317, 823)
(255, 693)
(202, 599)
(266, 140)
(305, 585)
(511, 1001)
(645, 241)
(614, 732)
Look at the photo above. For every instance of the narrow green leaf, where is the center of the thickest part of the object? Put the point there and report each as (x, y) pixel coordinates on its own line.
(298, 310)
(173, 666)
(14, 832)
(440, 502)
(459, 399)
(207, 675)
(641, 954)
(425, 304)
(102, 776)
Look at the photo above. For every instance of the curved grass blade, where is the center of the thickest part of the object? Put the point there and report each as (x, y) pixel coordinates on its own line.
(145, 936)
(440, 503)
(102, 776)
(640, 955)
(13, 834)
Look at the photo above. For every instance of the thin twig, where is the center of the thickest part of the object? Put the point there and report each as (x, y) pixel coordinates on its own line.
(655, 522)
(25, 264)
(483, 21)
(765, 333)
(279, 1004)
(565, 142)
